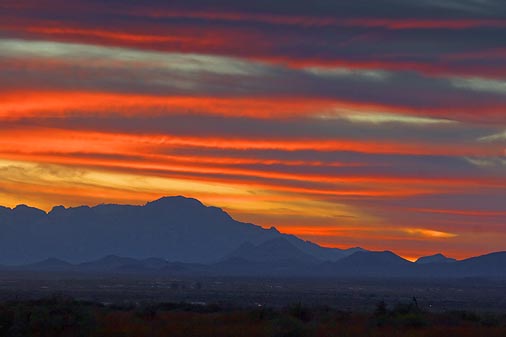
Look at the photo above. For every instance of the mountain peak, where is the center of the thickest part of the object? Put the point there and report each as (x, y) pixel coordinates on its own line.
(274, 250)
(57, 209)
(25, 210)
(374, 258)
(436, 258)
(23, 207)
(175, 200)
(49, 263)
(109, 261)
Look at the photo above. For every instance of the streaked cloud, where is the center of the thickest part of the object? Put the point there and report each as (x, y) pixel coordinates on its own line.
(501, 136)
(488, 162)
(428, 233)
(481, 84)
(382, 117)
(115, 56)
(373, 75)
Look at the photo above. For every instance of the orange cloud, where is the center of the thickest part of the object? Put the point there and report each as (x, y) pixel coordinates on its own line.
(34, 103)
(28, 140)
(429, 233)
(474, 213)
(252, 44)
(14, 105)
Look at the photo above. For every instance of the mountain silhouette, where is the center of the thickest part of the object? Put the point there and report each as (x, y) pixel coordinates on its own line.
(436, 258)
(110, 262)
(50, 264)
(371, 264)
(181, 236)
(172, 228)
(252, 261)
(492, 265)
(272, 251)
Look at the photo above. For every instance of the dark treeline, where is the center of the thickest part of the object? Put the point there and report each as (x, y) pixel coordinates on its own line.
(60, 316)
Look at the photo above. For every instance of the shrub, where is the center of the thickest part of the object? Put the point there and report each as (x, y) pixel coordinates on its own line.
(300, 312)
(289, 326)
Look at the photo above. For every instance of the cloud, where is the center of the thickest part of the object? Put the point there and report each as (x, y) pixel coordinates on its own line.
(383, 118)
(117, 56)
(497, 137)
(323, 34)
(480, 84)
(429, 233)
(488, 162)
(373, 75)
(67, 67)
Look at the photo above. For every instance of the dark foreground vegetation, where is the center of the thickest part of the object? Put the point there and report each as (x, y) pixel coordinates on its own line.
(60, 316)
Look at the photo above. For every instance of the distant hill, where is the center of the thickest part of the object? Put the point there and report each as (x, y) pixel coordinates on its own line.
(490, 265)
(50, 264)
(172, 228)
(181, 236)
(286, 261)
(436, 258)
(387, 264)
(272, 251)
(110, 262)
(371, 264)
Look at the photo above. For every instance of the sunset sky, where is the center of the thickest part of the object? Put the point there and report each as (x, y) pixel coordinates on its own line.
(379, 124)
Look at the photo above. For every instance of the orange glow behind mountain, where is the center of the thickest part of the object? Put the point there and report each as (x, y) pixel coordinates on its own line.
(347, 130)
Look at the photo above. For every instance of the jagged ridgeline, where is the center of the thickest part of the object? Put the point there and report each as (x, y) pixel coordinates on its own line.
(174, 228)
(178, 235)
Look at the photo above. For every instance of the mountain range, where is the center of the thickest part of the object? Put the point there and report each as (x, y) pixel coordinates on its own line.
(181, 236)
(174, 228)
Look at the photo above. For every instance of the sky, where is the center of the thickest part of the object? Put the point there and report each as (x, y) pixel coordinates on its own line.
(372, 123)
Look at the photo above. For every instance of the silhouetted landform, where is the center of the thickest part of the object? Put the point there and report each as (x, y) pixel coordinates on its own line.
(173, 228)
(273, 251)
(181, 236)
(371, 264)
(285, 261)
(436, 258)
